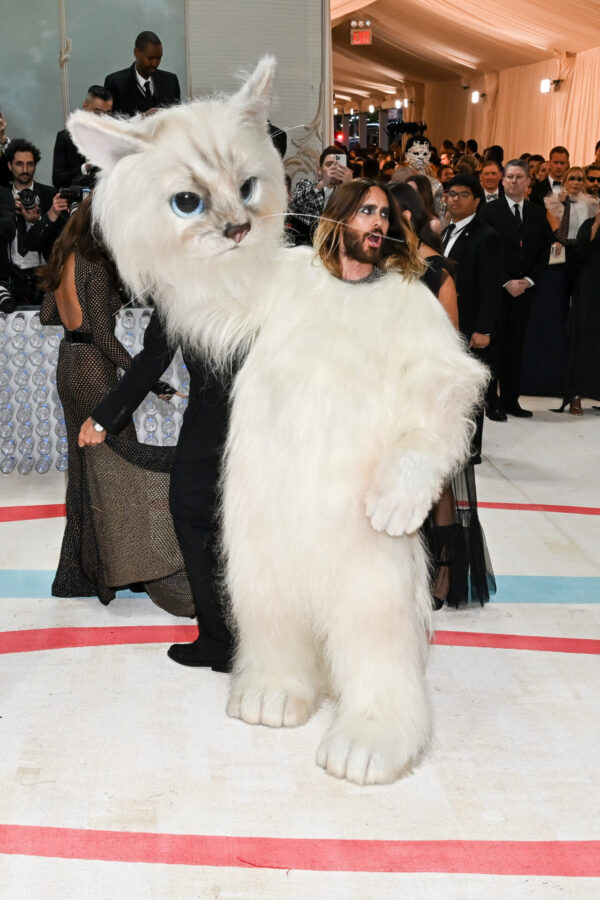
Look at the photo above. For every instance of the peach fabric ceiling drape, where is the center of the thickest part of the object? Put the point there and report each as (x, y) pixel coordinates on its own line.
(426, 48)
(517, 115)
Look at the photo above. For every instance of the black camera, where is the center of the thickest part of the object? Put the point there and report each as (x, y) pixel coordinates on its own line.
(7, 303)
(73, 194)
(27, 198)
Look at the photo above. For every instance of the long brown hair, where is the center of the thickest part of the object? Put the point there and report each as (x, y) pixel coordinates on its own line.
(78, 234)
(400, 255)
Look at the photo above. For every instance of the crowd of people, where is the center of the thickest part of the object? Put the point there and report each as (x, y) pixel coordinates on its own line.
(490, 239)
(529, 276)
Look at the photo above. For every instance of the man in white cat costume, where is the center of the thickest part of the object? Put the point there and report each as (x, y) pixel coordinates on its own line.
(351, 409)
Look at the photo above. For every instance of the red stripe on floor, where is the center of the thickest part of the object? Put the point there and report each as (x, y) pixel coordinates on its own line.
(23, 513)
(62, 638)
(517, 642)
(535, 858)
(53, 510)
(30, 640)
(542, 507)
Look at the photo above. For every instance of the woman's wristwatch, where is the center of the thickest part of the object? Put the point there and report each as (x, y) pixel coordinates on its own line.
(98, 426)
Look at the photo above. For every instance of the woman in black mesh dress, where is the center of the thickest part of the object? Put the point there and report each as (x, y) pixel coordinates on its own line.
(462, 572)
(80, 284)
(119, 530)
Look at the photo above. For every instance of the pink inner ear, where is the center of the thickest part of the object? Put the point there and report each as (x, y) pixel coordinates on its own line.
(103, 145)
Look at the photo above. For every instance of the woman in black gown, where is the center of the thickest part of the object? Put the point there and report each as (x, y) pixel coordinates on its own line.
(462, 571)
(101, 549)
(583, 366)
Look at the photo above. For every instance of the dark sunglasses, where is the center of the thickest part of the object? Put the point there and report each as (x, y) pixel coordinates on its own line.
(574, 178)
(593, 178)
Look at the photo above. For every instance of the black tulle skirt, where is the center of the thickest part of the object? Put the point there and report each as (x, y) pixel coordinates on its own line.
(461, 571)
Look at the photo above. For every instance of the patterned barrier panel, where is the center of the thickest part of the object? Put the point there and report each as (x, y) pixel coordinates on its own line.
(33, 435)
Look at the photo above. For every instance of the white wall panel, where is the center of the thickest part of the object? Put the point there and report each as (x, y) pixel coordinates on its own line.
(223, 43)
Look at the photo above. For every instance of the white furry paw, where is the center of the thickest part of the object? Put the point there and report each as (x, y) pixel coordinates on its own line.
(363, 751)
(267, 706)
(401, 495)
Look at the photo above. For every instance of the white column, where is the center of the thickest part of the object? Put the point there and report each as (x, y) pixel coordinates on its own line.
(384, 141)
(362, 129)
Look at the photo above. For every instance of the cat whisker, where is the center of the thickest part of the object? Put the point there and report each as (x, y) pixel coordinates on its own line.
(133, 299)
(335, 222)
(287, 130)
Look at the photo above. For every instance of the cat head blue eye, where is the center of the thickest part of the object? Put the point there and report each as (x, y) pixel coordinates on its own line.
(248, 189)
(187, 204)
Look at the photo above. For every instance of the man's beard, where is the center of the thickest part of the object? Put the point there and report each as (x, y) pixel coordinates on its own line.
(356, 246)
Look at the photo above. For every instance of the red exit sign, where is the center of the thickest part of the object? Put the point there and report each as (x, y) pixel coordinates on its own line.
(360, 36)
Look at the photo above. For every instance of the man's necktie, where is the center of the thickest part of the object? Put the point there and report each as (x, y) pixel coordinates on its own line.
(556, 184)
(517, 213)
(447, 234)
(147, 91)
(491, 197)
(21, 236)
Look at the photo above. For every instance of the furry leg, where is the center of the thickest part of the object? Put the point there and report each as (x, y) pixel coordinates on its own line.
(276, 678)
(377, 644)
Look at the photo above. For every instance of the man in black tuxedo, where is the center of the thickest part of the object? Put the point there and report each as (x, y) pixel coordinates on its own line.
(490, 177)
(558, 165)
(68, 165)
(194, 479)
(142, 87)
(477, 250)
(8, 228)
(38, 221)
(527, 237)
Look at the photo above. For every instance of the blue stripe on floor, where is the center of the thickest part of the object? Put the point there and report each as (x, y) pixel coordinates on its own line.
(36, 584)
(33, 584)
(546, 589)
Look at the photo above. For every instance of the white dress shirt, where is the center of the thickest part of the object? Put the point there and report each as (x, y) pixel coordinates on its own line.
(460, 226)
(142, 83)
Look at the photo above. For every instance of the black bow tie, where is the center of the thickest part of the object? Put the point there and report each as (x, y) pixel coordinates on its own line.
(556, 184)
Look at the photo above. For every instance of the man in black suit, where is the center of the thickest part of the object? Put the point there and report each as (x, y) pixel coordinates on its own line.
(477, 250)
(527, 237)
(68, 165)
(142, 87)
(558, 165)
(8, 227)
(490, 177)
(194, 479)
(38, 219)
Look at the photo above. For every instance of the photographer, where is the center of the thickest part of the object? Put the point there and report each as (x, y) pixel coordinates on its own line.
(310, 197)
(38, 218)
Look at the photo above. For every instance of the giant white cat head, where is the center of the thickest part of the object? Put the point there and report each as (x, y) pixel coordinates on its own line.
(190, 199)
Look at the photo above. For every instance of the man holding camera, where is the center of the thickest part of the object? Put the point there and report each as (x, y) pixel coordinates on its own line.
(38, 211)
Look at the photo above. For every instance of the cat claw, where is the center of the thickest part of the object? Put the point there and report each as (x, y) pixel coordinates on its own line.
(277, 709)
(371, 758)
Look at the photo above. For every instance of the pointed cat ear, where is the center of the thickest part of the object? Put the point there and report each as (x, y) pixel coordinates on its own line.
(254, 98)
(104, 140)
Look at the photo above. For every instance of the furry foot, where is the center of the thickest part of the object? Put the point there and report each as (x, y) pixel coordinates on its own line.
(267, 706)
(365, 752)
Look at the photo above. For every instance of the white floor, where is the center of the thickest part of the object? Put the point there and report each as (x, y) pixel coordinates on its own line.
(104, 747)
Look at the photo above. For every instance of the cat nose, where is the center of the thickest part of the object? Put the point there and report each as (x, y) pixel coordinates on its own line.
(237, 232)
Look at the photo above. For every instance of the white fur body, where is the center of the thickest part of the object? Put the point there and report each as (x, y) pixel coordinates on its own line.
(351, 410)
(348, 414)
